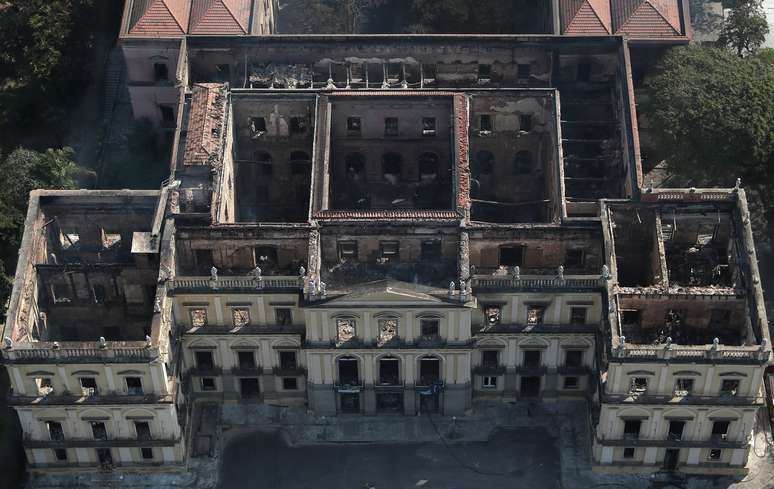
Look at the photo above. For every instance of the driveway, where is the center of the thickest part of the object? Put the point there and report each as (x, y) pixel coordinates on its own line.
(524, 459)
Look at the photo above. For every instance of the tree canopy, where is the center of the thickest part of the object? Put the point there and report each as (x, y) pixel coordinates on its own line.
(745, 28)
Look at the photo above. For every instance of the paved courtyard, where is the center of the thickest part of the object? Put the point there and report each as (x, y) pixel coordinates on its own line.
(523, 458)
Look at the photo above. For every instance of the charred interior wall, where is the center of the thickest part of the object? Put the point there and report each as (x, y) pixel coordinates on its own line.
(637, 247)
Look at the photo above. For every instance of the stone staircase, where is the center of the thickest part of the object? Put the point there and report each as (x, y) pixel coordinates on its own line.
(114, 74)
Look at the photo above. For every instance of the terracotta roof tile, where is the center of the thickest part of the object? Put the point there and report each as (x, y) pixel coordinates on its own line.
(585, 17)
(206, 125)
(216, 17)
(159, 18)
(646, 18)
(386, 214)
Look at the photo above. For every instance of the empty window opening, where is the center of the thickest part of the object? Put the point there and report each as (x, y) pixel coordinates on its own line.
(429, 371)
(389, 371)
(283, 316)
(208, 384)
(428, 166)
(429, 329)
(346, 330)
(676, 430)
(354, 164)
(485, 122)
(388, 329)
(429, 73)
(354, 126)
(391, 126)
(638, 385)
(204, 359)
(266, 258)
(288, 360)
(98, 430)
(431, 250)
(512, 255)
(142, 428)
(240, 317)
(198, 317)
(632, 428)
(100, 293)
(484, 72)
(389, 250)
(574, 259)
(394, 72)
(523, 71)
(729, 387)
(348, 371)
(160, 71)
(392, 164)
(489, 382)
(61, 293)
(348, 250)
(584, 72)
(248, 388)
(628, 453)
(55, 431)
(522, 163)
(532, 358)
(147, 453)
(573, 358)
(134, 386)
(570, 383)
(492, 314)
(578, 315)
(715, 455)
(203, 259)
(60, 454)
(167, 114)
(290, 383)
(683, 387)
(490, 358)
(105, 456)
(484, 164)
(525, 122)
(428, 126)
(298, 125)
(720, 430)
(89, 386)
(257, 125)
(246, 359)
(536, 314)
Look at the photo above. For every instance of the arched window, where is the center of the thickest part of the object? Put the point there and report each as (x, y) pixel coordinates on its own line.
(522, 163)
(354, 164)
(428, 165)
(484, 163)
(392, 164)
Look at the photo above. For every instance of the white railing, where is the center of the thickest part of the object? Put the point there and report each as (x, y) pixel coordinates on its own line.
(236, 283)
(538, 281)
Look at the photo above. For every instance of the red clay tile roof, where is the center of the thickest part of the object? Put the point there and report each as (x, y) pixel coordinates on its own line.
(386, 214)
(646, 18)
(220, 17)
(206, 125)
(585, 17)
(159, 18)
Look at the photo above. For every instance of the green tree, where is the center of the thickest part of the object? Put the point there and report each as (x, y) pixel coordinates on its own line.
(745, 28)
(710, 117)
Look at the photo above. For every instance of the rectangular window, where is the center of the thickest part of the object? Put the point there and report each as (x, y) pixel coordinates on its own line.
(246, 359)
(630, 317)
(222, 72)
(348, 250)
(676, 430)
(240, 316)
(573, 358)
(89, 386)
(729, 387)
(490, 358)
(147, 453)
(257, 125)
(389, 250)
(578, 315)
(431, 250)
(571, 382)
(55, 431)
(490, 382)
(44, 386)
(492, 314)
(523, 71)
(535, 314)
(485, 72)
(353, 126)
(390, 126)
(428, 126)
(525, 122)
(632, 428)
(289, 383)
(142, 429)
(98, 430)
(297, 125)
(532, 358)
(287, 360)
(720, 430)
(584, 72)
(60, 454)
(61, 293)
(208, 384)
(638, 385)
(388, 329)
(345, 329)
(429, 328)
(683, 387)
(715, 455)
(167, 114)
(283, 316)
(512, 256)
(628, 453)
(204, 359)
(198, 317)
(160, 71)
(429, 72)
(485, 122)
(573, 259)
(134, 386)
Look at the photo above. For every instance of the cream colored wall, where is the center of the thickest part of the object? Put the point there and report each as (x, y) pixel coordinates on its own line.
(554, 347)
(224, 349)
(219, 307)
(558, 306)
(121, 456)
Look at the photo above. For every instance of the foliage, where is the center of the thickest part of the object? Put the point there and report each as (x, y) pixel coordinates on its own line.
(25, 170)
(710, 114)
(745, 28)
